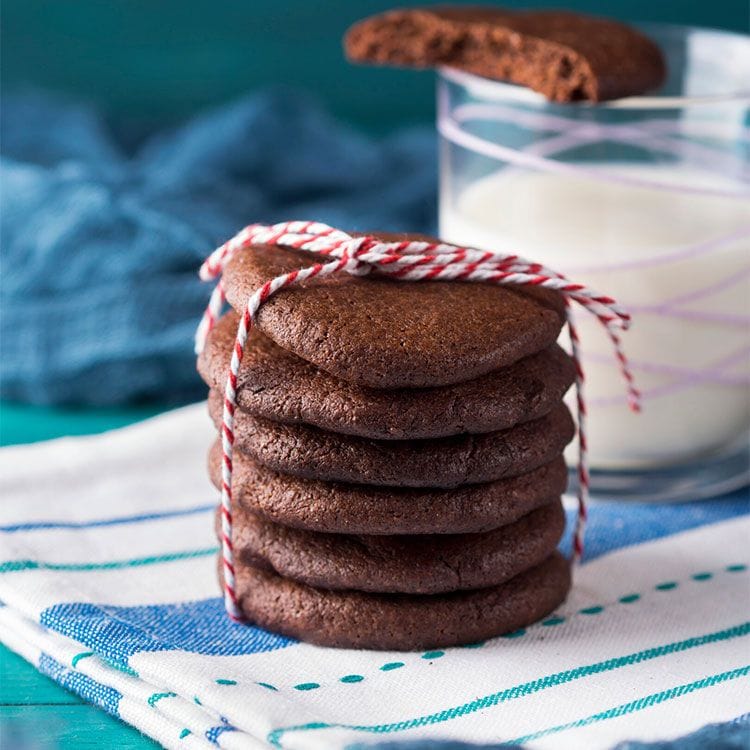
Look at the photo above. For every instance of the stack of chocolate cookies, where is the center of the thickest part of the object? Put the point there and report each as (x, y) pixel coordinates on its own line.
(397, 457)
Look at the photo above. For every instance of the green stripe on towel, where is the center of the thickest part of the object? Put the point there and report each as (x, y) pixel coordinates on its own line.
(12, 566)
(526, 688)
(638, 705)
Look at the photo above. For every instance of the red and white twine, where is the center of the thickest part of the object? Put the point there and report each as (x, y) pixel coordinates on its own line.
(413, 260)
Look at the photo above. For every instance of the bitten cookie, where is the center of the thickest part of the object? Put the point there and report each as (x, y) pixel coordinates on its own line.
(275, 384)
(564, 56)
(312, 453)
(382, 333)
(424, 564)
(365, 509)
(402, 622)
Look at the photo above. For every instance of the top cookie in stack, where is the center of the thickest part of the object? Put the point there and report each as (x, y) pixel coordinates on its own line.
(398, 455)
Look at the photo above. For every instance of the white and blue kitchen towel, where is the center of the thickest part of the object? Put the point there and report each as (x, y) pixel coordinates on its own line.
(108, 581)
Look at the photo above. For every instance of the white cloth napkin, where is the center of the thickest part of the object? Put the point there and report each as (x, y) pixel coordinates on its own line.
(108, 580)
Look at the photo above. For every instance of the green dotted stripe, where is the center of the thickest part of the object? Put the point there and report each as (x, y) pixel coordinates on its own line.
(594, 609)
(83, 655)
(666, 586)
(554, 620)
(124, 668)
(307, 686)
(523, 689)
(156, 697)
(267, 686)
(391, 665)
(637, 705)
(346, 679)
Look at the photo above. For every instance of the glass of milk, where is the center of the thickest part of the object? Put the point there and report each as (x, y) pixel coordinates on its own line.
(646, 199)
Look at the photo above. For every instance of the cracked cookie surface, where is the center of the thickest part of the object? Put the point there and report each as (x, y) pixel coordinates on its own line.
(311, 453)
(382, 333)
(401, 622)
(337, 508)
(565, 56)
(425, 564)
(275, 384)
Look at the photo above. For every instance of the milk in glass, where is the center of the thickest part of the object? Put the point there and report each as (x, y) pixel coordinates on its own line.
(676, 253)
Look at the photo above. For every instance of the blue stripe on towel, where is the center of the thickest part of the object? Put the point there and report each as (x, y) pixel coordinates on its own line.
(114, 521)
(613, 525)
(91, 691)
(116, 633)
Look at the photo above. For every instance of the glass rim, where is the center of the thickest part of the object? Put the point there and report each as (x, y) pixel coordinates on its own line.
(502, 90)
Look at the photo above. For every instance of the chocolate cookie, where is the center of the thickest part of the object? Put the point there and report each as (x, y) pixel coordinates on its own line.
(382, 333)
(564, 56)
(312, 453)
(425, 564)
(402, 622)
(361, 509)
(276, 384)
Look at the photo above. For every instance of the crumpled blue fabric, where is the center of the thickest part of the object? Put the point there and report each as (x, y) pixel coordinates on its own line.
(99, 295)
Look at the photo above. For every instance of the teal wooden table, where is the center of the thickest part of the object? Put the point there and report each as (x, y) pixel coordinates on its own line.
(35, 712)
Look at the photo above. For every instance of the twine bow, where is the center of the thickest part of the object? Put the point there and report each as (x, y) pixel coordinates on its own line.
(410, 260)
